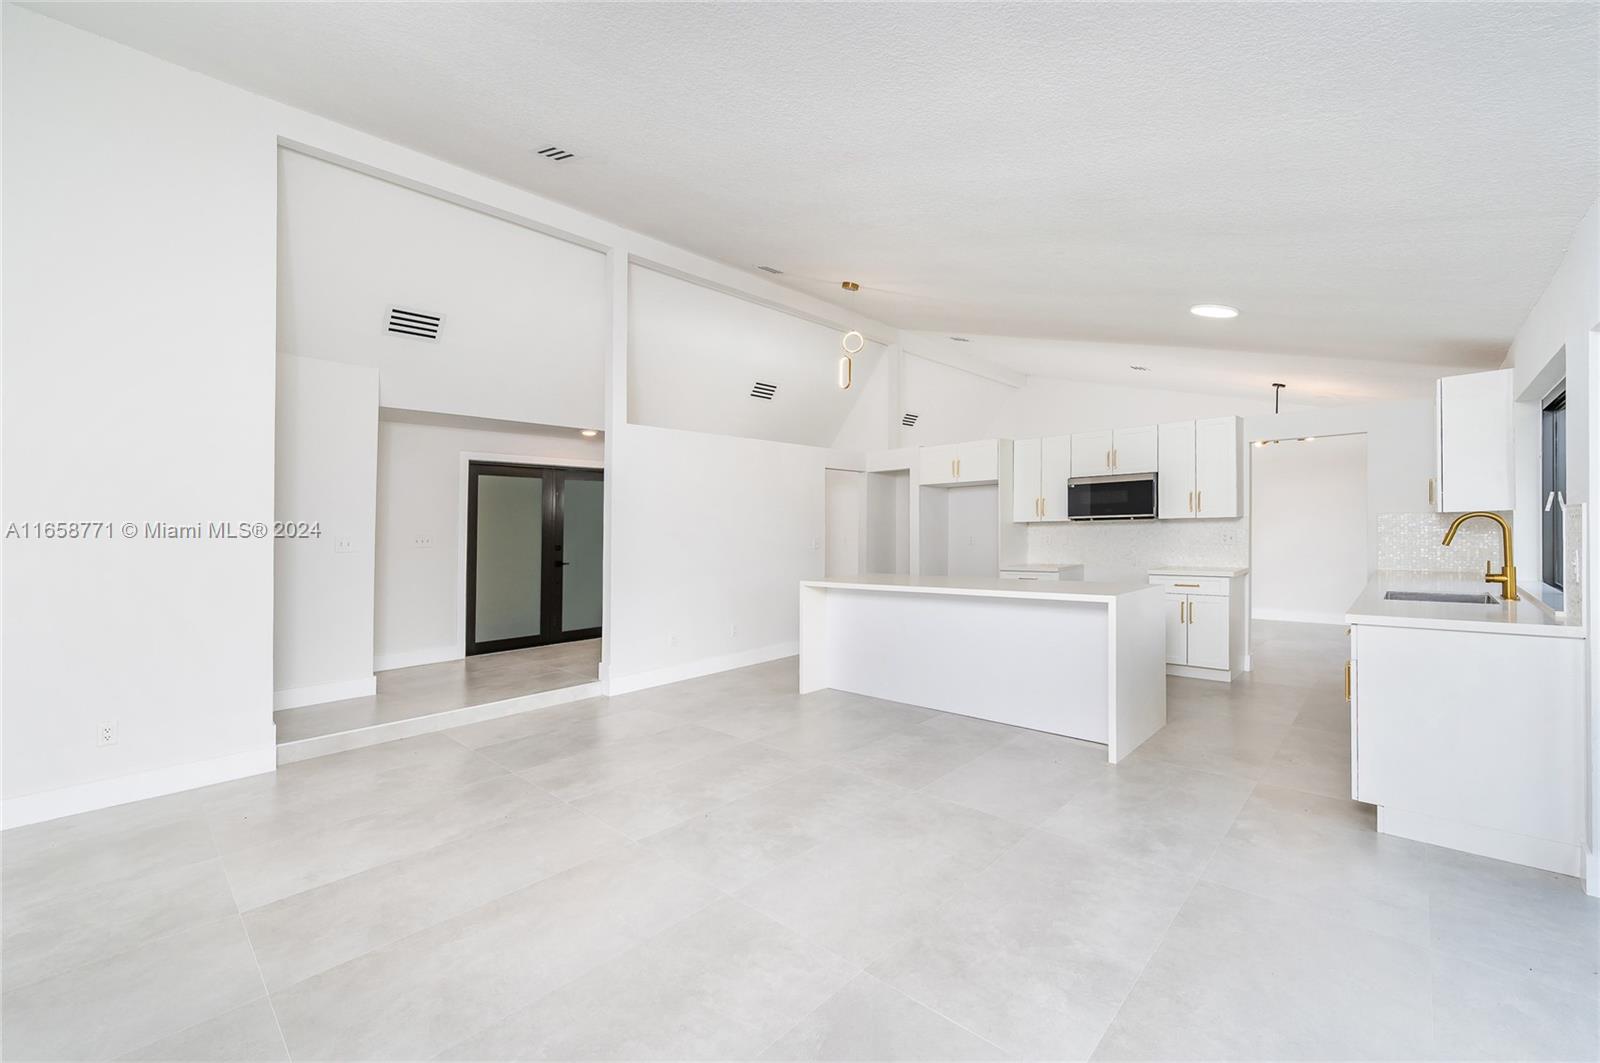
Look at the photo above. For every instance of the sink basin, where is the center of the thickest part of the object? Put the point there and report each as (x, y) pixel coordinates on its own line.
(1436, 596)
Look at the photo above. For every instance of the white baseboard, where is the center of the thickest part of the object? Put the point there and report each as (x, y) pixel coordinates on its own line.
(1298, 616)
(104, 793)
(627, 684)
(348, 688)
(1187, 671)
(411, 658)
(1543, 853)
(322, 745)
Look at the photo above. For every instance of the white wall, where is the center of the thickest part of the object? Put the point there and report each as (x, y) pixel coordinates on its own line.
(952, 404)
(420, 596)
(524, 331)
(327, 451)
(114, 219)
(695, 352)
(1308, 532)
(139, 233)
(1400, 451)
(710, 535)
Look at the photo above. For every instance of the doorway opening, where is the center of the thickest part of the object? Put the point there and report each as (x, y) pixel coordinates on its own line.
(534, 536)
(1308, 527)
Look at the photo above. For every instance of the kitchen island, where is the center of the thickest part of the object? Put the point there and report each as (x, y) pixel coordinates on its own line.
(1085, 660)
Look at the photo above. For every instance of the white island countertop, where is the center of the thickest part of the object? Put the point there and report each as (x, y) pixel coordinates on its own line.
(1066, 590)
(1526, 616)
(1199, 570)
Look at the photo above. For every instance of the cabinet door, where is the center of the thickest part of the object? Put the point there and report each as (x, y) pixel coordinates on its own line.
(938, 464)
(1175, 471)
(1025, 492)
(978, 461)
(1177, 628)
(1475, 453)
(1055, 469)
(1091, 453)
(1208, 632)
(1216, 464)
(1134, 449)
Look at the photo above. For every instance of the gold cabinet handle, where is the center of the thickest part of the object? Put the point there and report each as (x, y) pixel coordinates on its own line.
(1430, 490)
(1198, 505)
(1191, 501)
(1181, 620)
(1113, 457)
(1191, 610)
(1347, 680)
(1186, 585)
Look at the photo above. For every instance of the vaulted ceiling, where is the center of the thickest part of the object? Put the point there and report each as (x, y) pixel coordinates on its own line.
(1387, 182)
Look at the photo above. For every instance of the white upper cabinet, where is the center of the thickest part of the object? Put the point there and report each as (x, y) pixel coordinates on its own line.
(1055, 469)
(1216, 467)
(1110, 453)
(960, 463)
(1198, 474)
(1175, 471)
(1091, 453)
(1027, 499)
(1474, 462)
(1133, 450)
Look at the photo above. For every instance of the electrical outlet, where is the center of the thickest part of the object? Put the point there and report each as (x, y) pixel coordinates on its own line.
(106, 734)
(733, 630)
(672, 639)
(816, 544)
(344, 545)
(422, 542)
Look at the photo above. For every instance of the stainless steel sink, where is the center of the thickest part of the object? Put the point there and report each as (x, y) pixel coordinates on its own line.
(1435, 596)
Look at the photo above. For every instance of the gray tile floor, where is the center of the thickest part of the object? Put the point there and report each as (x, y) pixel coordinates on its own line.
(723, 869)
(425, 689)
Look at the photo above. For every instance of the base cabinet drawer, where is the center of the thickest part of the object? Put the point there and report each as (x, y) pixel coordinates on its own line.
(1217, 585)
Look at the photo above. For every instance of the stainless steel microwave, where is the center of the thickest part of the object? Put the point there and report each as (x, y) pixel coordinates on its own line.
(1112, 497)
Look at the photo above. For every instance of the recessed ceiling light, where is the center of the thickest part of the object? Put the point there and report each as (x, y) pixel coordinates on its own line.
(961, 339)
(850, 286)
(1213, 310)
(1140, 368)
(1308, 439)
(589, 433)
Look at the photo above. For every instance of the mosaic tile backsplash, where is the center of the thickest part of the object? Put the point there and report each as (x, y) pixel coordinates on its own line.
(1414, 542)
(1127, 549)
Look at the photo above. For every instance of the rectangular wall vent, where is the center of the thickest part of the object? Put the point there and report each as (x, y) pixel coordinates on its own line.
(774, 270)
(555, 154)
(414, 323)
(763, 391)
(909, 420)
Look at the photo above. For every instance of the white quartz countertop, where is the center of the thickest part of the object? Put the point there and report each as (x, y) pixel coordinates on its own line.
(1526, 616)
(1198, 570)
(1067, 590)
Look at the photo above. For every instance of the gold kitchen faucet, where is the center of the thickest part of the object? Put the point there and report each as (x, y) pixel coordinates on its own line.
(1507, 576)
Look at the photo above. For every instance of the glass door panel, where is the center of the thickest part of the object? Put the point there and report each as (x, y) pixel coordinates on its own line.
(509, 568)
(582, 513)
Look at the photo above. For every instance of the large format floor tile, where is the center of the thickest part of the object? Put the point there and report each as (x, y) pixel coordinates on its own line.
(1238, 977)
(724, 868)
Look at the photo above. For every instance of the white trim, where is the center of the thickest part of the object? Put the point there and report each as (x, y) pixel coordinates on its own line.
(412, 658)
(104, 793)
(322, 745)
(1190, 671)
(1591, 873)
(1298, 616)
(467, 457)
(627, 684)
(316, 695)
(1564, 858)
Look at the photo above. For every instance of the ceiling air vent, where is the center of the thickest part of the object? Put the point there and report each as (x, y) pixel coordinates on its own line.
(763, 391)
(909, 420)
(774, 270)
(555, 154)
(414, 323)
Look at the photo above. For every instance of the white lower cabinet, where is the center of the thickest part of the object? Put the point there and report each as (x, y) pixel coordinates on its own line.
(1205, 623)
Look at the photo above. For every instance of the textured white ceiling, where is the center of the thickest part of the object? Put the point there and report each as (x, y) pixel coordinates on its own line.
(1391, 182)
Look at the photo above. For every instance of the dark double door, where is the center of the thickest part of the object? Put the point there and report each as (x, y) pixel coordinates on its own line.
(533, 555)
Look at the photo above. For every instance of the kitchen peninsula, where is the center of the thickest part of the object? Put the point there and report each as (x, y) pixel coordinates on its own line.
(1085, 660)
